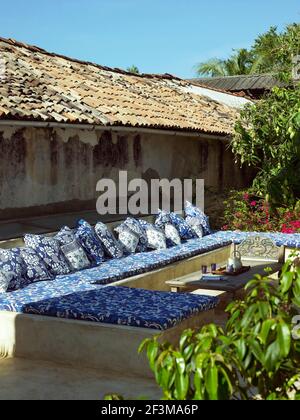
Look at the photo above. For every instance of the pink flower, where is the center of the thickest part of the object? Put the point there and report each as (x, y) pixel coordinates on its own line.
(246, 196)
(253, 203)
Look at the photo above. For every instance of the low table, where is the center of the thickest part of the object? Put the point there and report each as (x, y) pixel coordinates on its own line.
(231, 284)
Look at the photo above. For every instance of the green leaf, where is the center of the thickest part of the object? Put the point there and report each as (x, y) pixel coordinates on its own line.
(211, 382)
(182, 385)
(286, 281)
(284, 338)
(265, 329)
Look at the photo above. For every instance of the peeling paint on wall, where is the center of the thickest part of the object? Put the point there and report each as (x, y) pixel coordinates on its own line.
(43, 168)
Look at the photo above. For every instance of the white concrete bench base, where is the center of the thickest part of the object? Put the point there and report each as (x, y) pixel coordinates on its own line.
(110, 348)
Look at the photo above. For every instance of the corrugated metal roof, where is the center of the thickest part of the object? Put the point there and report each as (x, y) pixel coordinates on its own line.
(42, 86)
(239, 83)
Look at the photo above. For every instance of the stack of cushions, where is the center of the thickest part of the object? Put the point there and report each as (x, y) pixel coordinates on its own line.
(21, 266)
(43, 258)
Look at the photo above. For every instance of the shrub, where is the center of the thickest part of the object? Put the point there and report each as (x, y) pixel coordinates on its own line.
(247, 212)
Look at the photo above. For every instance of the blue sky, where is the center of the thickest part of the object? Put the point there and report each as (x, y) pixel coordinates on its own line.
(159, 36)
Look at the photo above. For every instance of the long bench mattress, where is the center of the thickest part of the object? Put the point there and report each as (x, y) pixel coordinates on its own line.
(119, 305)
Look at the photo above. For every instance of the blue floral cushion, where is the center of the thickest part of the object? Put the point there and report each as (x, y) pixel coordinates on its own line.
(90, 242)
(112, 247)
(196, 225)
(11, 262)
(75, 255)
(194, 211)
(72, 249)
(49, 251)
(35, 267)
(162, 218)
(134, 226)
(65, 236)
(172, 235)
(124, 306)
(181, 225)
(128, 238)
(155, 236)
(5, 279)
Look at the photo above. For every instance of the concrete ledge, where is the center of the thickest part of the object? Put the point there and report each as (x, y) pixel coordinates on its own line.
(110, 348)
(156, 279)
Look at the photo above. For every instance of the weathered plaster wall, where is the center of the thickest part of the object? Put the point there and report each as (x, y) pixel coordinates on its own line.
(49, 170)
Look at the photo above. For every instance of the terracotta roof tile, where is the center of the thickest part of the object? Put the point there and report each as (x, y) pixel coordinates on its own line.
(42, 86)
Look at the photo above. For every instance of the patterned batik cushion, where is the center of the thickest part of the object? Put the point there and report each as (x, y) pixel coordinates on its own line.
(195, 225)
(128, 238)
(162, 218)
(112, 247)
(75, 255)
(65, 236)
(181, 225)
(11, 262)
(135, 226)
(172, 235)
(49, 251)
(5, 279)
(155, 236)
(194, 211)
(35, 267)
(90, 242)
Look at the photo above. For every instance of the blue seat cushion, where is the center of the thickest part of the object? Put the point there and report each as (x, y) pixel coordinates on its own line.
(124, 306)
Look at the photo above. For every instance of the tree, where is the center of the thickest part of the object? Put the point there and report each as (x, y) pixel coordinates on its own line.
(267, 137)
(133, 69)
(241, 62)
(271, 52)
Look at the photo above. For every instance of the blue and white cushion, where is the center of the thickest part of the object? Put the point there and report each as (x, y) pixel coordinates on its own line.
(194, 211)
(90, 242)
(35, 267)
(128, 238)
(196, 225)
(181, 225)
(155, 236)
(65, 236)
(172, 235)
(5, 279)
(72, 249)
(11, 262)
(162, 218)
(49, 251)
(112, 247)
(134, 226)
(75, 255)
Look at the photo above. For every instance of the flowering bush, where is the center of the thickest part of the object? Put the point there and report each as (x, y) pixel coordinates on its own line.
(247, 212)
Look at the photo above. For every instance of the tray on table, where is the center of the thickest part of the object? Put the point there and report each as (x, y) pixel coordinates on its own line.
(223, 271)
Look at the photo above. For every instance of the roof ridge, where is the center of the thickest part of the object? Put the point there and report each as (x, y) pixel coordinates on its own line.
(34, 48)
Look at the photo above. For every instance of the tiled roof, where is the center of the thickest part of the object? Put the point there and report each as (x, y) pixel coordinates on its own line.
(39, 86)
(239, 83)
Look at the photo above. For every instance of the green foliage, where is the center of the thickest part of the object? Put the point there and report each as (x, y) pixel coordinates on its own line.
(272, 52)
(244, 210)
(133, 69)
(253, 357)
(241, 62)
(267, 137)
